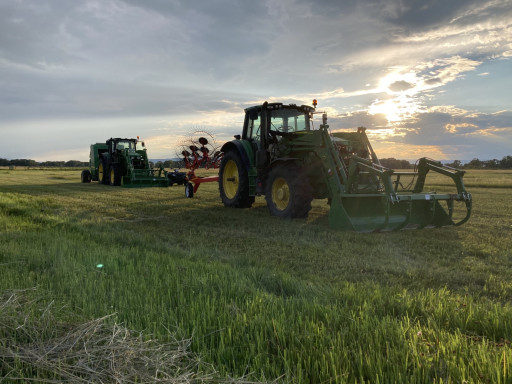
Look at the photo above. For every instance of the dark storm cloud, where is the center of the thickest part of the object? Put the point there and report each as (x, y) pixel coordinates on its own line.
(420, 14)
(220, 35)
(30, 95)
(29, 32)
(412, 15)
(129, 59)
(82, 59)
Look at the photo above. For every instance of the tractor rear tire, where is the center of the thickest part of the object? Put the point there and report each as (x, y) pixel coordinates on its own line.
(234, 182)
(103, 171)
(86, 176)
(288, 192)
(115, 175)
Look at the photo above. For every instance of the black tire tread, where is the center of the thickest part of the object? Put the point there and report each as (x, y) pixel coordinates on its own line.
(106, 171)
(117, 175)
(86, 176)
(301, 192)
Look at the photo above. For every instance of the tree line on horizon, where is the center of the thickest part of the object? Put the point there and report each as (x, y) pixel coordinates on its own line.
(504, 163)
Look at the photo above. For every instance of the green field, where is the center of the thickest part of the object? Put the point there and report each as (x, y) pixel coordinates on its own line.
(251, 297)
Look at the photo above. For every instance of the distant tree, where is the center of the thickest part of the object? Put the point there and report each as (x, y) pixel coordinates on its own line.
(52, 164)
(405, 165)
(491, 164)
(395, 164)
(455, 164)
(4, 162)
(23, 162)
(76, 163)
(506, 162)
(475, 163)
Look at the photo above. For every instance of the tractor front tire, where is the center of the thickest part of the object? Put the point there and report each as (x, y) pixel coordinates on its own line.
(115, 175)
(86, 176)
(288, 192)
(234, 182)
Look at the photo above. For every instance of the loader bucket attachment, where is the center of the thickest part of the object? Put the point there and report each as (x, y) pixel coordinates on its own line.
(367, 197)
(390, 209)
(377, 213)
(138, 178)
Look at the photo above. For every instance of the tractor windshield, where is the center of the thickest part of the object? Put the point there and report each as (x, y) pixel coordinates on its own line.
(289, 120)
(125, 144)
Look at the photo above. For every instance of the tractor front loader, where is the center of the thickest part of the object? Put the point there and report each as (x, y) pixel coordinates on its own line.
(281, 156)
(123, 162)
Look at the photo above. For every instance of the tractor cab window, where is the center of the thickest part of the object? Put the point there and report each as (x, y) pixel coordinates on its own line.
(139, 146)
(130, 145)
(254, 127)
(289, 121)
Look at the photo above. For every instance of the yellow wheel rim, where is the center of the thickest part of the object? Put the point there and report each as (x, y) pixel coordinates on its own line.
(112, 176)
(230, 179)
(280, 193)
(100, 172)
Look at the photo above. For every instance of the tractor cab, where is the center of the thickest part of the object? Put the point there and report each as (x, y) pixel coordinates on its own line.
(266, 126)
(262, 122)
(128, 152)
(118, 144)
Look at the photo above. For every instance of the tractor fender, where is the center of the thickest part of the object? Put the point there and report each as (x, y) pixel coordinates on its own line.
(244, 149)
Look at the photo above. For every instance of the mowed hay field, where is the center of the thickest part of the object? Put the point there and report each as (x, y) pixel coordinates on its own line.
(102, 283)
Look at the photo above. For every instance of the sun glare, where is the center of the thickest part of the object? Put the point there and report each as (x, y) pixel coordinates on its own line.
(401, 101)
(396, 109)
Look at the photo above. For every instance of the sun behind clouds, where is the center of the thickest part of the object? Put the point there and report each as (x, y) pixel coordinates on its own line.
(401, 100)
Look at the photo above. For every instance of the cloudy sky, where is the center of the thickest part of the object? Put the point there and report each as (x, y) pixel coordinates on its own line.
(426, 77)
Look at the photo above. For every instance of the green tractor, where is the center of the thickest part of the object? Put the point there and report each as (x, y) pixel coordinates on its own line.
(122, 162)
(280, 155)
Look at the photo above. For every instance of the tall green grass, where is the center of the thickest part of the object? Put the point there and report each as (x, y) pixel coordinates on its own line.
(292, 301)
